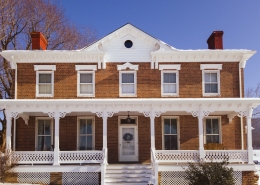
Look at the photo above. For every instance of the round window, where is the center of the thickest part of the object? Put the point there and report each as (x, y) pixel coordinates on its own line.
(128, 44)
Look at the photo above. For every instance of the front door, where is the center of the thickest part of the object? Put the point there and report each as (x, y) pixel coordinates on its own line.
(128, 142)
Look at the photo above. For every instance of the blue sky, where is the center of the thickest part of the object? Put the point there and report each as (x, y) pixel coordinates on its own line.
(184, 24)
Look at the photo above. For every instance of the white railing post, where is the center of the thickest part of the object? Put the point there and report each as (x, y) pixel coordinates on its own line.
(152, 116)
(249, 135)
(104, 167)
(154, 167)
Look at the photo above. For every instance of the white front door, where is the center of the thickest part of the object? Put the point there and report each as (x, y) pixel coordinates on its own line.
(128, 143)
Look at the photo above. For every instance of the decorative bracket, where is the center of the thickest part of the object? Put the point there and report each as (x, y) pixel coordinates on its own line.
(57, 114)
(152, 113)
(25, 118)
(105, 114)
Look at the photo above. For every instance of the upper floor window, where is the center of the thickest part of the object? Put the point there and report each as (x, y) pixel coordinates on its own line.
(169, 80)
(86, 140)
(86, 80)
(211, 79)
(127, 80)
(212, 130)
(44, 80)
(44, 134)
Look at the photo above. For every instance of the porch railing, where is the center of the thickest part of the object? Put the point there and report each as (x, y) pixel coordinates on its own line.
(47, 157)
(33, 157)
(177, 155)
(229, 155)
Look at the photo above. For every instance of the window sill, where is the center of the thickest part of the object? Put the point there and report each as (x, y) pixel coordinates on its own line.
(211, 94)
(44, 95)
(82, 95)
(127, 95)
(170, 95)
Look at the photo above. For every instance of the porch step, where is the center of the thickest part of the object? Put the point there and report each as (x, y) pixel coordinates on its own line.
(128, 174)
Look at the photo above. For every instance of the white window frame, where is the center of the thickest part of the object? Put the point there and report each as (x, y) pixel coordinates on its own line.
(203, 82)
(37, 83)
(120, 84)
(36, 131)
(78, 83)
(178, 130)
(177, 83)
(219, 124)
(93, 131)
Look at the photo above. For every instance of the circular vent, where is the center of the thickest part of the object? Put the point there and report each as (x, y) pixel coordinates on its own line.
(128, 44)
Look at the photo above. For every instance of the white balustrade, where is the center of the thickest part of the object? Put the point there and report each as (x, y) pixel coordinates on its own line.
(177, 155)
(32, 157)
(228, 155)
(81, 156)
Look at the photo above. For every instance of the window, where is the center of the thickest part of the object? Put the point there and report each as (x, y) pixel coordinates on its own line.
(86, 85)
(44, 134)
(211, 79)
(170, 134)
(127, 83)
(169, 83)
(86, 134)
(44, 80)
(212, 130)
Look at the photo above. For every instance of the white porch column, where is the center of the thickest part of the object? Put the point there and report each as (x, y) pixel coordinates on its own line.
(9, 115)
(104, 115)
(56, 115)
(201, 143)
(249, 135)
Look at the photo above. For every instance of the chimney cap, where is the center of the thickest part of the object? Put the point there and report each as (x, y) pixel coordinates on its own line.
(215, 40)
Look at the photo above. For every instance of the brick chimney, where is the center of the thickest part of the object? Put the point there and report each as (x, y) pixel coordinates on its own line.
(215, 40)
(39, 42)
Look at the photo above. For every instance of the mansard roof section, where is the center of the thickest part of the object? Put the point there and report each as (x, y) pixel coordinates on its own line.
(128, 31)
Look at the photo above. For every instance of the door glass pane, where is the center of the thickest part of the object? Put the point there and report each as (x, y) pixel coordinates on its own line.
(215, 126)
(44, 143)
(167, 142)
(40, 127)
(167, 125)
(128, 145)
(208, 126)
(47, 128)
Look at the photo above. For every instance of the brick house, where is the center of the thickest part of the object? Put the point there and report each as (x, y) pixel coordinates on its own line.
(128, 109)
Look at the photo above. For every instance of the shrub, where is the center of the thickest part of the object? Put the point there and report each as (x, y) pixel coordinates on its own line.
(211, 173)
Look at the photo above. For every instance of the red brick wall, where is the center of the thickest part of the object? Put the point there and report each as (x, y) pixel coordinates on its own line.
(248, 178)
(148, 81)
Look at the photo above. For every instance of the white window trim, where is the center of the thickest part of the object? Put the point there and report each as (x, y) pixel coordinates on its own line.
(120, 84)
(178, 129)
(203, 82)
(36, 130)
(37, 84)
(210, 66)
(177, 83)
(170, 66)
(45, 67)
(93, 130)
(85, 67)
(219, 124)
(78, 83)
(127, 66)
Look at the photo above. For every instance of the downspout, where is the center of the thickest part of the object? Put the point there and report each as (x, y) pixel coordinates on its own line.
(240, 94)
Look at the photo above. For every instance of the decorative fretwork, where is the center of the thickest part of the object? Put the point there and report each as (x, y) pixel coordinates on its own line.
(81, 156)
(58, 114)
(15, 115)
(229, 155)
(34, 177)
(32, 157)
(179, 178)
(108, 114)
(152, 113)
(242, 113)
(177, 155)
(206, 113)
(78, 178)
(195, 113)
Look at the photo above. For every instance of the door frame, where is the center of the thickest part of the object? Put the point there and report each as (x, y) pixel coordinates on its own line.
(135, 126)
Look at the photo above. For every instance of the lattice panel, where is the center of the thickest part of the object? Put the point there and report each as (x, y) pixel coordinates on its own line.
(34, 177)
(231, 156)
(178, 178)
(80, 178)
(237, 177)
(177, 156)
(81, 157)
(173, 178)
